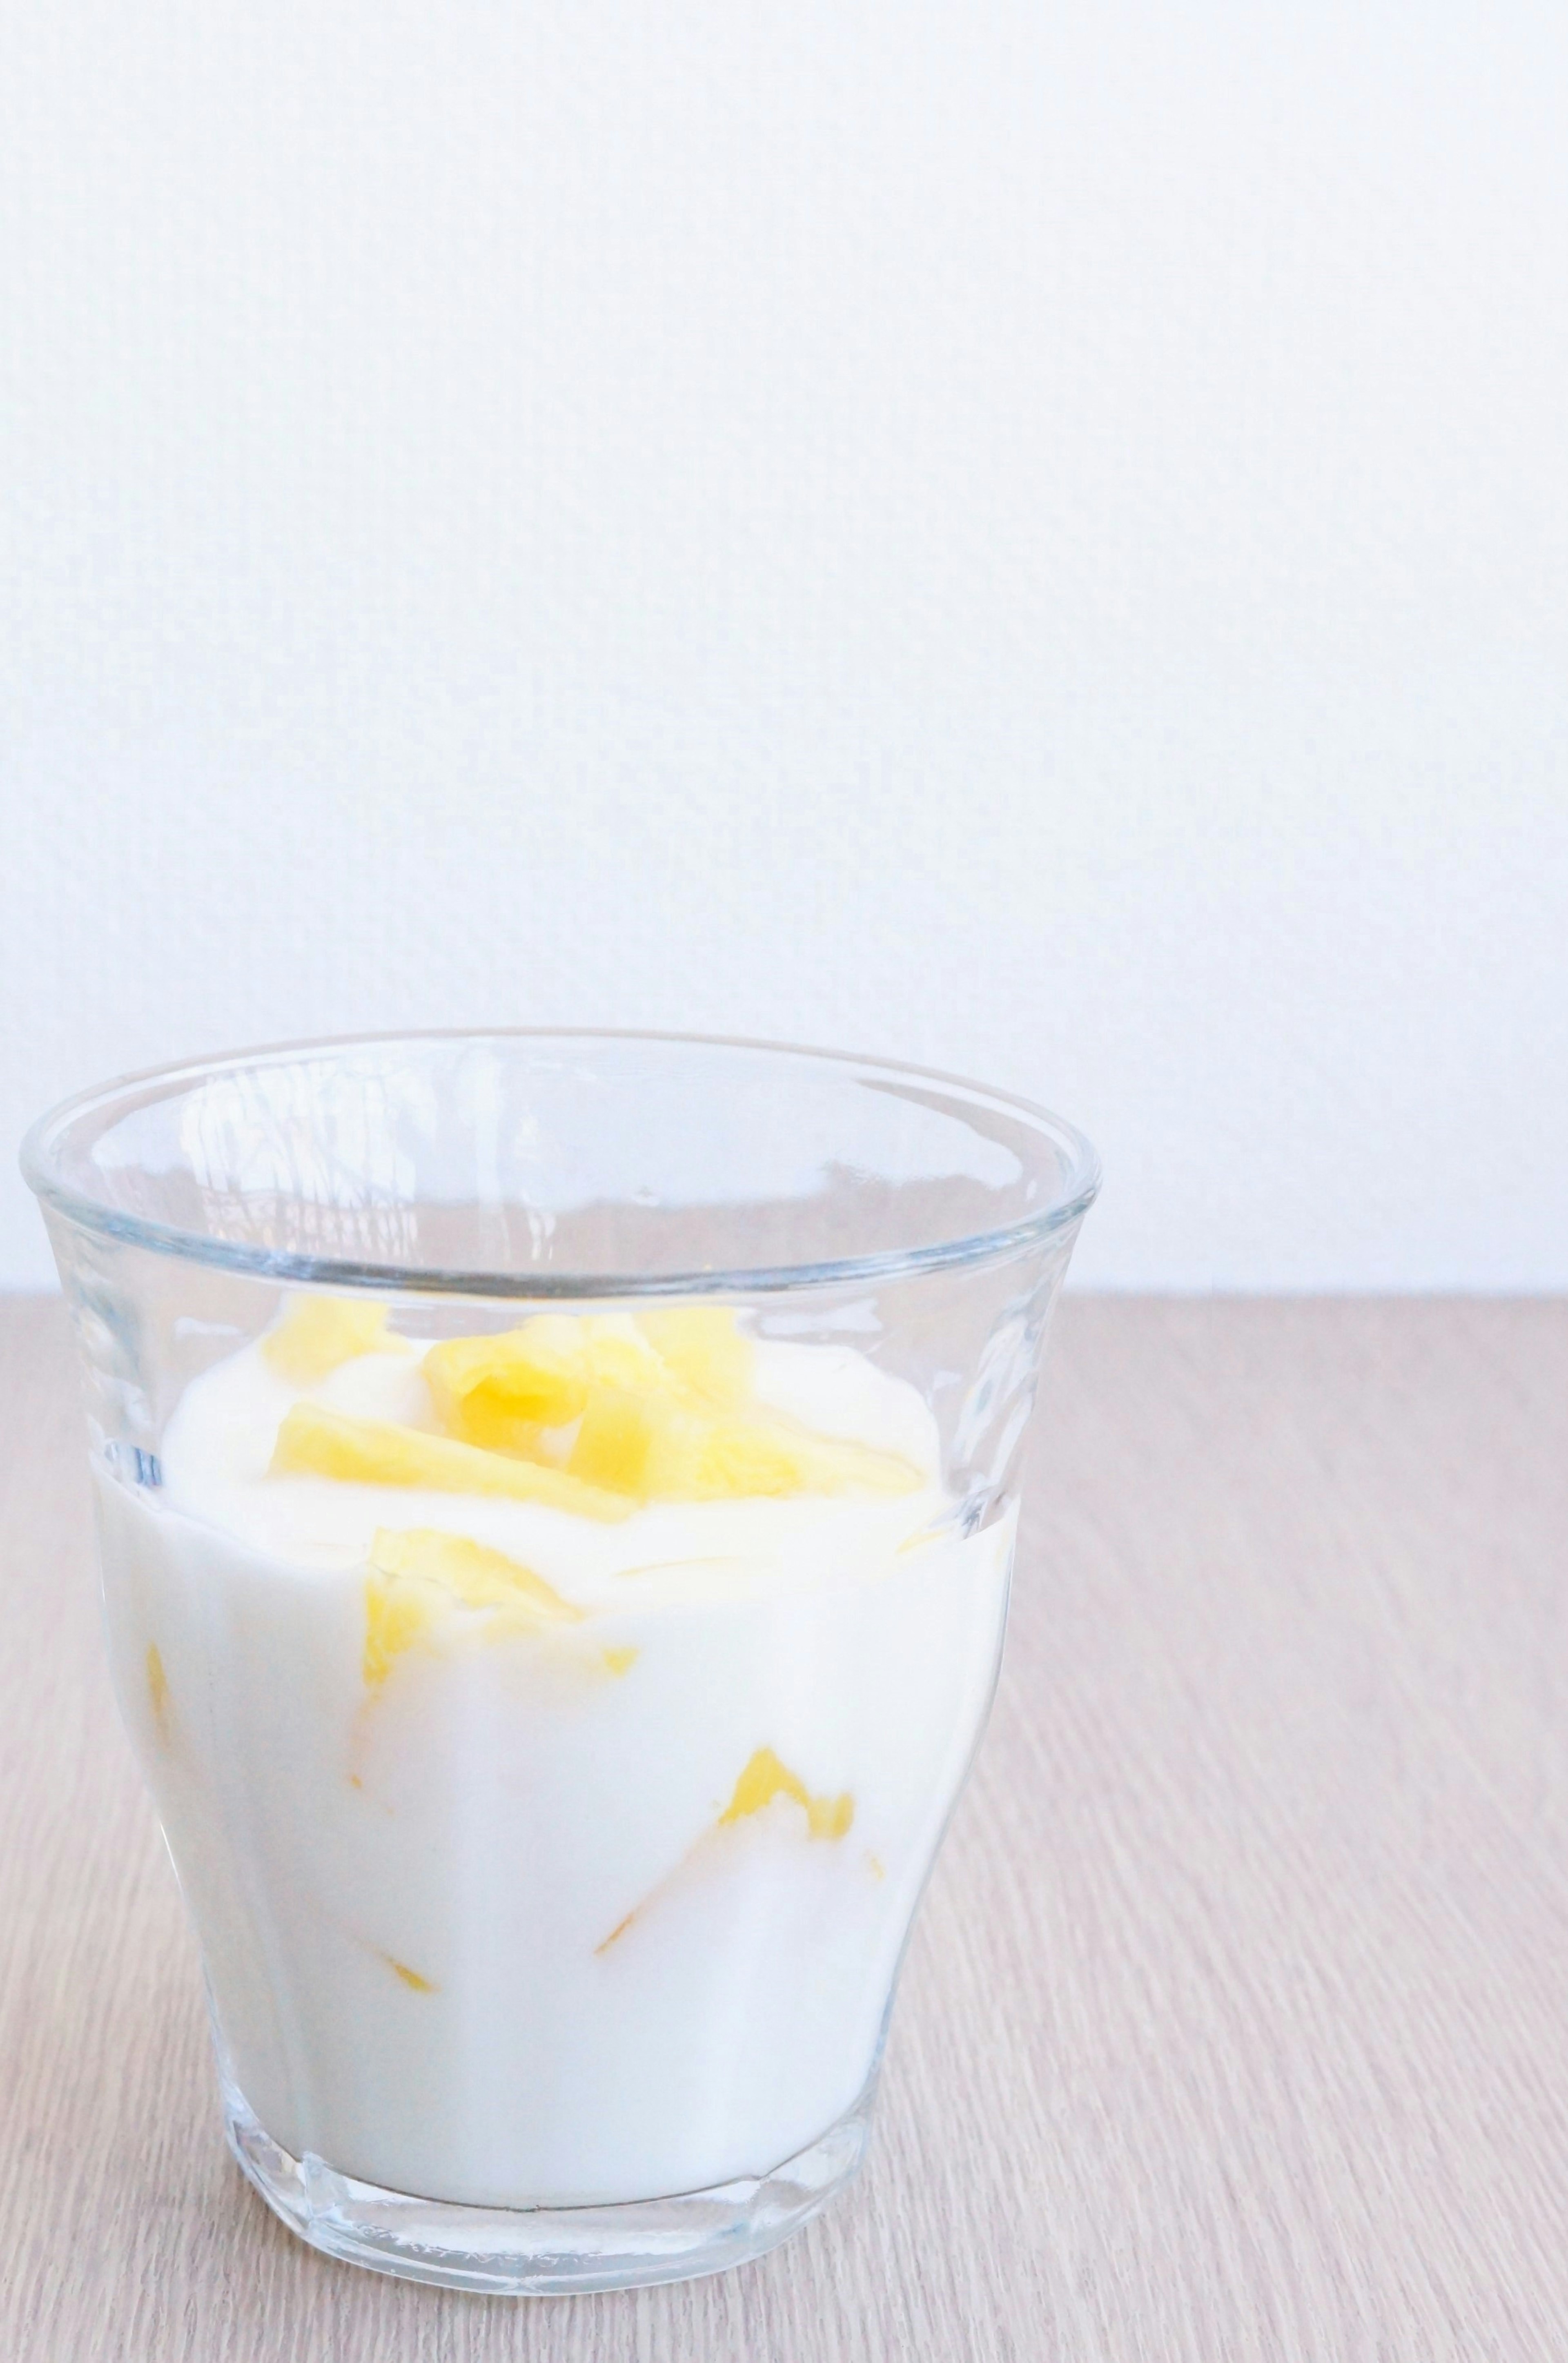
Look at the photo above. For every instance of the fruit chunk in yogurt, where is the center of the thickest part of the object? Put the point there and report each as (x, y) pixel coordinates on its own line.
(553, 1731)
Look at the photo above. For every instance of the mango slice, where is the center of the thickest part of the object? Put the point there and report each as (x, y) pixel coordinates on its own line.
(471, 1572)
(655, 1408)
(704, 1348)
(766, 1777)
(484, 1387)
(380, 1452)
(318, 1333)
(419, 1575)
(499, 1391)
(656, 1449)
(396, 1616)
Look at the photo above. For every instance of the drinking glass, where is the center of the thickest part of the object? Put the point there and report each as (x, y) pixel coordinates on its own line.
(552, 1841)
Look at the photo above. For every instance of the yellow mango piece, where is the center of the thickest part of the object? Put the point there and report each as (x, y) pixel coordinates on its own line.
(500, 1392)
(660, 1405)
(536, 1375)
(616, 1440)
(485, 1419)
(396, 1616)
(658, 1450)
(618, 1353)
(418, 1576)
(766, 1777)
(380, 1452)
(318, 1333)
(737, 1456)
(470, 1571)
(705, 1348)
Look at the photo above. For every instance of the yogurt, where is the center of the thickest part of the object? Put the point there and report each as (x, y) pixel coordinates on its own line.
(551, 1794)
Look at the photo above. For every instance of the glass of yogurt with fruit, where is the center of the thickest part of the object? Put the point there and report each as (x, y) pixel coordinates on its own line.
(556, 1496)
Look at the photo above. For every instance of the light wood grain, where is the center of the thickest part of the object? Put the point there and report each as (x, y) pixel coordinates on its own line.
(1236, 2021)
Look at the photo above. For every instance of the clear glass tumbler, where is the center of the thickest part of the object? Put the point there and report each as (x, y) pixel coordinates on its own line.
(556, 1498)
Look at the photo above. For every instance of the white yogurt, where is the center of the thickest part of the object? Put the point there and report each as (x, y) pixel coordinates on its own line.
(487, 1928)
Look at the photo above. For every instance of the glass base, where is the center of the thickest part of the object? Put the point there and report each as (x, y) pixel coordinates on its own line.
(545, 2251)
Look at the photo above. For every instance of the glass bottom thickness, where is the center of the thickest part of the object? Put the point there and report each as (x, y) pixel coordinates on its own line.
(545, 2251)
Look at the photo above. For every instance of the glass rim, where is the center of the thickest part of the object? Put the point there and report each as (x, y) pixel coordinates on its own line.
(42, 1157)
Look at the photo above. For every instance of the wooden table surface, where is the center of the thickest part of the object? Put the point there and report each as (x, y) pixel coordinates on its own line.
(1236, 2026)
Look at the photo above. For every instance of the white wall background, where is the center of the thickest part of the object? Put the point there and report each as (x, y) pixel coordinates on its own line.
(1024, 536)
